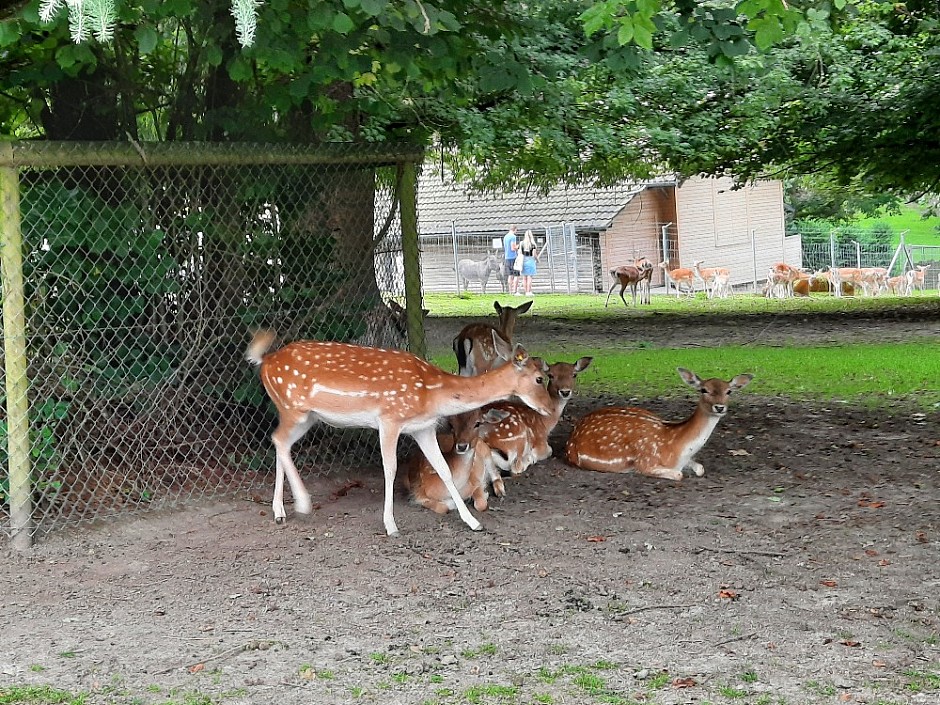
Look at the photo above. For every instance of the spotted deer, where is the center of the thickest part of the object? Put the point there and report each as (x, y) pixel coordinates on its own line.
(679, 277)
(624, 439)
(392, 391)
(521, 439)
(475, 346)
(470, 461)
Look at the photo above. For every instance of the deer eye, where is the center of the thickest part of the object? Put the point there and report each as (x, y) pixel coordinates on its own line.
(540, 379)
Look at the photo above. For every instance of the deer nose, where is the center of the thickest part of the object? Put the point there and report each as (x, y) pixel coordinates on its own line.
(462, 448)
(564, 393)
(719, 408)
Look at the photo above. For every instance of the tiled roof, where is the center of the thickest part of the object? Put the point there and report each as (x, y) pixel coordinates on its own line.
(440, 201)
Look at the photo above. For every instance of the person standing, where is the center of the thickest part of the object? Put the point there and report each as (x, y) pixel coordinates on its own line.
(529, 250)
(510, 250)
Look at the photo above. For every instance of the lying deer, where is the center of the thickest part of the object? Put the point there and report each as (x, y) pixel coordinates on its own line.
(392, 391)
(633, 275)
(679, 277)
(618, 439)
(474, 344)
(470, 461)
(521, 439)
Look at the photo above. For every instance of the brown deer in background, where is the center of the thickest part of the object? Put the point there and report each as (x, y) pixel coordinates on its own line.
(474, 344)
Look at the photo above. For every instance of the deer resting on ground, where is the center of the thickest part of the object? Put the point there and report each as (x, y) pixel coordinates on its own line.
(624, 439)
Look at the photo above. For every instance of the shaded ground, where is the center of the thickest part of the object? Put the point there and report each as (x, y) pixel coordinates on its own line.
(802, 569)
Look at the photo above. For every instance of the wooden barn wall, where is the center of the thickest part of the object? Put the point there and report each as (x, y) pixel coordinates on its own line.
(636, 231)
(715, 224)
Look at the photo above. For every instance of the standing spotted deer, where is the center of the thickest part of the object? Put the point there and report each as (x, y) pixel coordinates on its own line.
(395, 392)
(624, 439)
(475, 346)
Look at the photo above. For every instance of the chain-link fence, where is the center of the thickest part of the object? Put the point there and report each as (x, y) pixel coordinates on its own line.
(569, 262)
(142, 272)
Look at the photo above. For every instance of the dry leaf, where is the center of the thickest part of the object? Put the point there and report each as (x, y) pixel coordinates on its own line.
(874, 504)
(726, 594)
(921, 537)
(845, 697)
(828, 583)
(688, 682)
(849, 642)
(878, 663)
(597, 539)
(883, 562)
(738, 451)
(871, 552)
(197, 667)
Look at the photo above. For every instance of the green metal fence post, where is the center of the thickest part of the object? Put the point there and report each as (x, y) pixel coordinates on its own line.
(412, 259)
(14, 341)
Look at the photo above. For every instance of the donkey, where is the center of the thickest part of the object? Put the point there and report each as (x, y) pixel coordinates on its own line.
(477, 270)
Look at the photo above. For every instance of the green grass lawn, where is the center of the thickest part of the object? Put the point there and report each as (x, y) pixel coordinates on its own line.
(870, 374)
(920, 230)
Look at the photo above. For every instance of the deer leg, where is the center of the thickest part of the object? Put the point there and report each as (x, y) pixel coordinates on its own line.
(388, 440)
(426, 439)
(287, 433)
(612, 287)
(665, 473)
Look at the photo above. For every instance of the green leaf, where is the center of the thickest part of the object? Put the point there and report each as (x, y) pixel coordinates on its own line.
(342, 24)
(239, 69)
(625, 33)
(373, 7)
(643, 36)
(8, 34)
(146, 39)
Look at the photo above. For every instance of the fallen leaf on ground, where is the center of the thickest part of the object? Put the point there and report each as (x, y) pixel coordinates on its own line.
(197, 667)
(728, 594)
(828, 583)
(874, 504)
(921, 537)
(343, 489)
(849, 642)
(688, 682)
(597, 539)
(738, 451)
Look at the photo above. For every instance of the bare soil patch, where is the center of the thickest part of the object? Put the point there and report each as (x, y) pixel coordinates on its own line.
(802, 569)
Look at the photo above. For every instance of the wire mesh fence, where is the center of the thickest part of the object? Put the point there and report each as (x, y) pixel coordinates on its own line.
(142, 278)
(568, 262)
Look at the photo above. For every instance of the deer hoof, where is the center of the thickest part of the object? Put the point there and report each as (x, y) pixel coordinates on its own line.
(280, 520)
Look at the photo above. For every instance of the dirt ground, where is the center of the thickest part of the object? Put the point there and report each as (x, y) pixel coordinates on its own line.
(803, 568)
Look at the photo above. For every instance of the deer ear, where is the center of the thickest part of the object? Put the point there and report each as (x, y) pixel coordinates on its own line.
(525, 307)
(499, 309)
(495, 415)
(501, 347)
(519, 355)
(689, 377)
(741, 381)
(582, 364)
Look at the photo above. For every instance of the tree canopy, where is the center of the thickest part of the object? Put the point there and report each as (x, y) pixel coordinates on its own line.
(511, 93)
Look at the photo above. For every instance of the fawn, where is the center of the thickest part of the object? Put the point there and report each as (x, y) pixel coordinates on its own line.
(470, 461)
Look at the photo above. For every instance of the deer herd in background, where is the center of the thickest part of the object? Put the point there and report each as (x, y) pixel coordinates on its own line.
(473, 429)
(783, 281)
